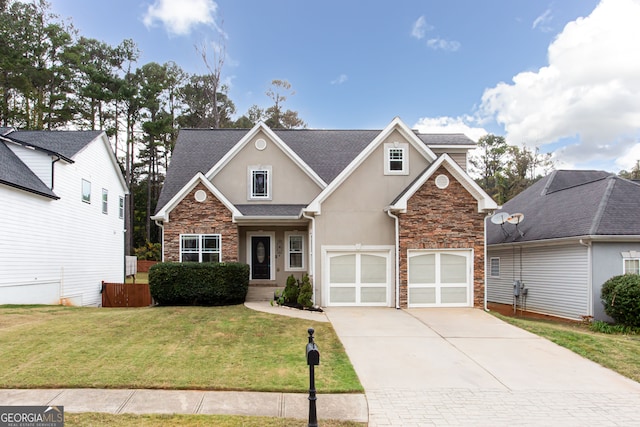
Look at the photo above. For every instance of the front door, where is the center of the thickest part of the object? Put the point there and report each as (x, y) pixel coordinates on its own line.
(261, 257)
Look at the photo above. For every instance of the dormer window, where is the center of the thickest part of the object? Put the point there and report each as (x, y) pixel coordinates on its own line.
(259, 181)
(396, 160)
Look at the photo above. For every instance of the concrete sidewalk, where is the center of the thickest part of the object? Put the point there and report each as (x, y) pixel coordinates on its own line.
(352, 407)
(464, 367)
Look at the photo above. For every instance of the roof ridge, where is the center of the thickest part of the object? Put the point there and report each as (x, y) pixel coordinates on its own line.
(597, 218)
(548, 183)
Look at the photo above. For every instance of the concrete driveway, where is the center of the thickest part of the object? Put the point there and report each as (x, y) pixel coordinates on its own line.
(423, 367)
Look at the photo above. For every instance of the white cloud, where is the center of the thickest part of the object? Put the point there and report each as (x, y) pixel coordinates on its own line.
(448, 45)
(542, 22)
(340, 79)
(450, 125)
(589, 92)
(420, 27)
(180, 16)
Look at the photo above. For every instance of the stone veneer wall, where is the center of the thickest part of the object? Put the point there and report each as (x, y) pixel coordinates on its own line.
(193, 217)
(443, 219)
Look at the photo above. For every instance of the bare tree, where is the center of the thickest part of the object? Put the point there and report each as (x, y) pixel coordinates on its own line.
(214, 67)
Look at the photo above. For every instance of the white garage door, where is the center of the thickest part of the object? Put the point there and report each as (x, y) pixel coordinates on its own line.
(440, 278)
(361, 278)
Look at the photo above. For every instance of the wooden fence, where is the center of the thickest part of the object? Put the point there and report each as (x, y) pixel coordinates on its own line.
(126, 295)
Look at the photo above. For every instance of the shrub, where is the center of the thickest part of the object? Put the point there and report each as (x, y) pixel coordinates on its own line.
(175, 283)
(297, 293)
(306, 292)
(291, 290)
(621, 299)
(149, 252)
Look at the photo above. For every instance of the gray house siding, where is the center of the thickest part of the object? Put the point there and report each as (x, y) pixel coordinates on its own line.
(607, 262)
(557, 278)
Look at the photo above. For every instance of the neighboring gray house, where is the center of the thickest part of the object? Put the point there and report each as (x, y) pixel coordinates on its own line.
(580, 228)
(375, 217)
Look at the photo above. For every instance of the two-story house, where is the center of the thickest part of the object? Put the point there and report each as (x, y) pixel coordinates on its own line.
(61, 215)
(375, 217)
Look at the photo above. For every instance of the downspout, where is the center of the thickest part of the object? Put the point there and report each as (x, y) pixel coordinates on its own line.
(485, 261)
(397, 256)
(312, 253)
(53, 162)
(161, 225)
(589, 278)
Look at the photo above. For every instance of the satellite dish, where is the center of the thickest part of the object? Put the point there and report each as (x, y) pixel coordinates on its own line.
(516, 218)
(500, 218)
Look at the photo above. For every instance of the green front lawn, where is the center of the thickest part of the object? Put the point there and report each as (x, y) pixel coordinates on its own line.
(211, 348)
(618, 352)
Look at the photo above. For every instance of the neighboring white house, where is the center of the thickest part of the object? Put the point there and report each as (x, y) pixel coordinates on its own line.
(61, 215)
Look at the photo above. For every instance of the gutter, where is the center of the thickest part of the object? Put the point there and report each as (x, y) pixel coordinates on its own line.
(312, 253)
(397, 255)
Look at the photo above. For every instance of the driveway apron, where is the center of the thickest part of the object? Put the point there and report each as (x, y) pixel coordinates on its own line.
(422, 367)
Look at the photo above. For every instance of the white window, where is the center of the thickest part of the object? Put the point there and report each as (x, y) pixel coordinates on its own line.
(631, 266)
(200, 248)
(86, 191)
(259, 181)
(495, 267)
(396, 158)
(105, 201)
(121, 208)
(630, 262)
(295, 251)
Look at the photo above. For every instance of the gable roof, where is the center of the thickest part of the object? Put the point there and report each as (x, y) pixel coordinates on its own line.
(326, 152)
(570, 203)
(395, 125)
(277, 141)
(163, 212)
(485, 202)
(14, 173)
(64, 145)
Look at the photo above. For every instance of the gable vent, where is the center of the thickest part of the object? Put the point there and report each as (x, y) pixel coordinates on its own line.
(442, 181)
(200, 196)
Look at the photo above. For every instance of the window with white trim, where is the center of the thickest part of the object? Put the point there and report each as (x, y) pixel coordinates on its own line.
(86, 191)
(632, 266)
(396, 158)
(200, 248)
(121, 208)
(494, 269)
(259, 181)
(294, 251)
(105, 201)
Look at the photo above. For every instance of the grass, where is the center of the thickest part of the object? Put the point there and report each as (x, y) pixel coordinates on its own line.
(128, 420)
(140, 278)
(209, 348)
(618, 352)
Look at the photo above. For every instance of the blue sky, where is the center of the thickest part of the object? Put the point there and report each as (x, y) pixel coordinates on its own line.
(561, 75)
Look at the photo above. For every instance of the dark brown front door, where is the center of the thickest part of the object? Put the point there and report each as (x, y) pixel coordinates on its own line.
(260, 257)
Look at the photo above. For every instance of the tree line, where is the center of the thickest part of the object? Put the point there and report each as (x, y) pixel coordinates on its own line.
(51, 77)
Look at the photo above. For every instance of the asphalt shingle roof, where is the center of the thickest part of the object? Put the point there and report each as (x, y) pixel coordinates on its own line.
(327, 152)
(270, 210)
(570, 204)
(65, 143)
(16, 173)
